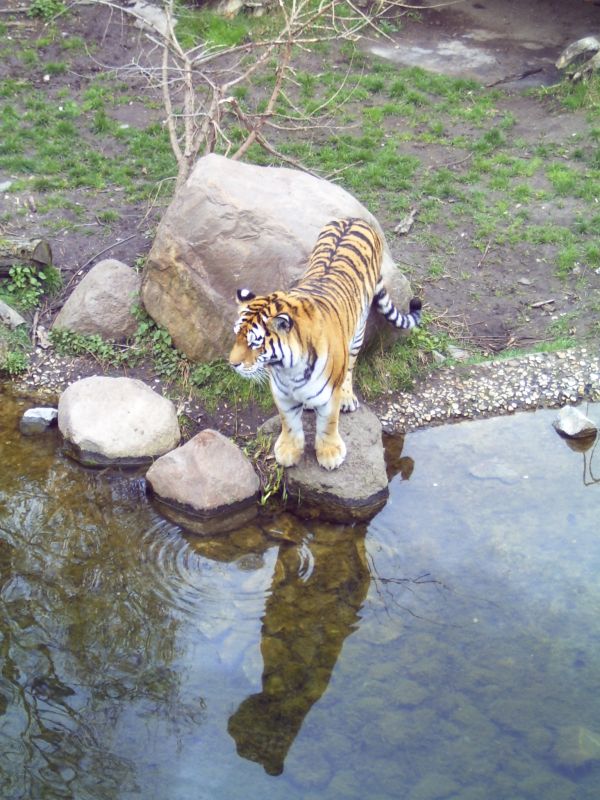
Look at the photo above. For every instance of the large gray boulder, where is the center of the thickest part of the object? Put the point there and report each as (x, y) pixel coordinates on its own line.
(357, 490)
(236, 225)
(119, 421)
(207, 485)
(101, 303)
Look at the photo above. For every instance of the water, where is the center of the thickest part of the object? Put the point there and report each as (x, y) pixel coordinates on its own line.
(449, 650)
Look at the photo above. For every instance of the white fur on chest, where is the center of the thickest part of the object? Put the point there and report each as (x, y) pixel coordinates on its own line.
(294, 385)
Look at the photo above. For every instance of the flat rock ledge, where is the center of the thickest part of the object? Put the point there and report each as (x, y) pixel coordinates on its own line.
(354, 492)
(116, 422)
(206, 486)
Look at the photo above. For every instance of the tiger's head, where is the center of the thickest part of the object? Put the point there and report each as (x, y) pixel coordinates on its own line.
(264, 333)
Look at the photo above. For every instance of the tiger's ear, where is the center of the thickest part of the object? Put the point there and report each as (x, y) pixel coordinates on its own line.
(282, 323)
(243, 295)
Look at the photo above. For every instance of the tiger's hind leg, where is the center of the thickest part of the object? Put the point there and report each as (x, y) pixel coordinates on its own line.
(349, 401)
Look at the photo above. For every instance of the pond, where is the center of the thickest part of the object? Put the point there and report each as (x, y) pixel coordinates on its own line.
(451, 649)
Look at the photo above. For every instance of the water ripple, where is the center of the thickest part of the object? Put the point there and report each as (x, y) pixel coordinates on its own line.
(191, 582)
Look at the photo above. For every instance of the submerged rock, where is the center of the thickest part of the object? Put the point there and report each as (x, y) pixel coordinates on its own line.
(207, 486)
(355, 491)
(573, 424)
(37, 420)
(576, 747)
(119, 421)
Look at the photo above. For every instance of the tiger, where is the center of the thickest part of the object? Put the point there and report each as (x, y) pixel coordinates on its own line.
(306, 340)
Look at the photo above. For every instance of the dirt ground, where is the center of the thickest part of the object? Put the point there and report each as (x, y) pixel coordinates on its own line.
(510, 298)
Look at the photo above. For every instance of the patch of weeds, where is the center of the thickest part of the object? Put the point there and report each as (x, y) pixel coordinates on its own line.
(577, 95)
(101, 122)
(26, 285)
(440, 184)
(437, 267)
(389, 26)
(490, 141)
(46, 9)
(95, 97)
(71, 343)
(73, 44)
(307, 83)
(29, 57)
(562, 328)
(588, 225)
(55, 67)
(522, 193)
(194, 27)
(548, 234)
(592, 254)
(374, 83)
(271, 475)
(402, 89)
(383, 372)
(156, 341)
(564, 180)
(109, 216)
(441, 85)
(566, 259)
(240, 92)
(14, 351)
(11, 87)
(217, 383)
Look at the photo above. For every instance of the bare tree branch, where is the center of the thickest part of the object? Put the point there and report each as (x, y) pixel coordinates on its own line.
(197, 83)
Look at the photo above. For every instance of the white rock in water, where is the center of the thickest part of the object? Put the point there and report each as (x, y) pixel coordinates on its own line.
(37, 420)
(571, 422)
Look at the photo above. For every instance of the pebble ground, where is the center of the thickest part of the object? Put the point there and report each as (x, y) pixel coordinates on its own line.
(541, 380)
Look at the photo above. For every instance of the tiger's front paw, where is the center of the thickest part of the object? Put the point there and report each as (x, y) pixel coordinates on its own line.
(349, 403)
(288, 451)
(330, 454)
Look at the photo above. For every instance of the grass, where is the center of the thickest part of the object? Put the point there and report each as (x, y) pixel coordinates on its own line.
(385, 371)
(217, 383)
(15, 349)
(485, 180)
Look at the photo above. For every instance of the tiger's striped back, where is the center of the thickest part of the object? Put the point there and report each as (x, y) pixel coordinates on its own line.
(343, 270)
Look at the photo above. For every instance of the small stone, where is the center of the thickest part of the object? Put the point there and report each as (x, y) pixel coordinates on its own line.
(573, 424)
(37, 420)
(10, 317)
(457, 353)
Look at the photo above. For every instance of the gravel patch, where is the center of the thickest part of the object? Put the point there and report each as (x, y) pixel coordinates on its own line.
(541, 380)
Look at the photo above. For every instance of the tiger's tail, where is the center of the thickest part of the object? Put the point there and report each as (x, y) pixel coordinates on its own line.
(383, 304)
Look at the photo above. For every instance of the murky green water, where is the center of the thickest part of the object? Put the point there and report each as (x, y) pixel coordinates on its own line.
(450, 650)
